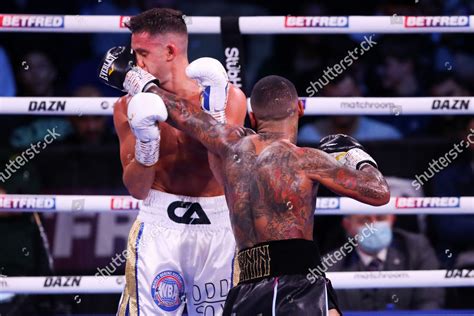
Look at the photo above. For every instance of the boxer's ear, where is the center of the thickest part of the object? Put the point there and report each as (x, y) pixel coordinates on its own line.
(300, 108)
(171, 52)
(253, 120)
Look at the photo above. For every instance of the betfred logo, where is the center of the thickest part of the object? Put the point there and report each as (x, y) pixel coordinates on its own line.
(427, 202)
(32, 21)
(123, 20)
(124, 204)
(43, 203)
(437, 21)
(316, 21)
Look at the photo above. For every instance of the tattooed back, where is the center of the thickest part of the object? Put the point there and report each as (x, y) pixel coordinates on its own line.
(268, 193)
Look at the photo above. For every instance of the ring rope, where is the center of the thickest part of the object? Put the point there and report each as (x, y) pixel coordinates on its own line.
(313, 106)
(324, 205)
(247, 24)
(340, 280)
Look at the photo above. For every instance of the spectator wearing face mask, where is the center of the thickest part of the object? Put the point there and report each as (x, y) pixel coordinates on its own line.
(380, 247)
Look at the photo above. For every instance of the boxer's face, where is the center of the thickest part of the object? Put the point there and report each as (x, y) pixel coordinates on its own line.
(154, 53)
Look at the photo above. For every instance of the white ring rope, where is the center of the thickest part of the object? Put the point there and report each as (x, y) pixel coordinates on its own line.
(248, 24)
(340, 280)
(324, 206)
(313, 106)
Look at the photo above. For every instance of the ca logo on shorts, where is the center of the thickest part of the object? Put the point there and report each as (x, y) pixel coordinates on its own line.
(167, 290)
(193, 215)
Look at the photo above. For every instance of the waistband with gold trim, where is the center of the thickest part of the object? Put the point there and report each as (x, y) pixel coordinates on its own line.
(276, 258)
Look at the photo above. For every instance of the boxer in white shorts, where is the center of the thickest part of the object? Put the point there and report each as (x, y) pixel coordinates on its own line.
(187, 258)
(181, 247)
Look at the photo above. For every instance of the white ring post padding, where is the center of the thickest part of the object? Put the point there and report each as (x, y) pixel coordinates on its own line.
(313, 106)
(340, 280)
(324, 206)
(248, 24)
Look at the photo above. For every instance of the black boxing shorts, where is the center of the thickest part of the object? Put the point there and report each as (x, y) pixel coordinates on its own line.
(273, 281)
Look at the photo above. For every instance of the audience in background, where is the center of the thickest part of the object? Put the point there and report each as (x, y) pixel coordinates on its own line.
(25, 253)
(360, 127)
(448, 84)
(7, 80)
(90, 167)
(401, 71)
(101, 42)
(37, 77)
(380, 247)
(457, 179)
(90, 130)
(258, 48)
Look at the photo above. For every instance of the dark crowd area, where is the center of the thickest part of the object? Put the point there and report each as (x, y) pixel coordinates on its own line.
(84, 158)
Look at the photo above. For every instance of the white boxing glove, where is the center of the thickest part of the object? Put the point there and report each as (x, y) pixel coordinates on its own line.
(138, 80)
(144, 111)
(211, 75)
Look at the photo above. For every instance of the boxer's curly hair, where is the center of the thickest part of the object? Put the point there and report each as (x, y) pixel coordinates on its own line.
(274, 98)
(158, 21)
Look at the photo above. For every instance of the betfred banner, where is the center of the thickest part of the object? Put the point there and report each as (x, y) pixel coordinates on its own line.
(83, 242)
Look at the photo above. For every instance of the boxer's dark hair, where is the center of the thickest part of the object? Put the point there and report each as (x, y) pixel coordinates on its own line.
(158, 21)
(274, 98)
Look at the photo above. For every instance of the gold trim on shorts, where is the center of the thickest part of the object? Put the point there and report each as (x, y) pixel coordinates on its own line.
(130, 290)
(236, 269)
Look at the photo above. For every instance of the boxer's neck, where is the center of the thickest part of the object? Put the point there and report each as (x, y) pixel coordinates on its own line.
(178, 82)
(282, 129)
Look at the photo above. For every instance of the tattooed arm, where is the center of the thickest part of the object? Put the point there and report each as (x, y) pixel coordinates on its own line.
(193, 121)
(366, 185)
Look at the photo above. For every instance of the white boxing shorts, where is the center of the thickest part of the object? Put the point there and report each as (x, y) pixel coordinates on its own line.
(180, 252)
